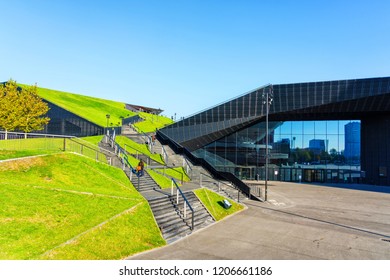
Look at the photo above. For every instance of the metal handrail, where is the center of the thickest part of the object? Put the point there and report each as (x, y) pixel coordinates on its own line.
(35, 135)
(166, 167)
(164, 154)
(202, 162)
(186, 203)
(75, 139)
(149, 140)
(82, 147)
(139, 152)
(187, 166)
(232, 186)
(121, 151)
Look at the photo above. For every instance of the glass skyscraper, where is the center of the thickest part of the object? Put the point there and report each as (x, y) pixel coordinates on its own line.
(352, 142)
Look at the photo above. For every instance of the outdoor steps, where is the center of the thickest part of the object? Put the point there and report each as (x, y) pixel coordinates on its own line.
(170, 217)
(146, 183)
(138, 138)
(109, 152)
(229, 192)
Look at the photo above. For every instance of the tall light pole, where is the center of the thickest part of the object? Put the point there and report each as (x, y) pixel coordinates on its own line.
(268, 101)
(108, 117)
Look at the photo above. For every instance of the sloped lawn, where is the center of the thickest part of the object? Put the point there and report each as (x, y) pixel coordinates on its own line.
(66, 206)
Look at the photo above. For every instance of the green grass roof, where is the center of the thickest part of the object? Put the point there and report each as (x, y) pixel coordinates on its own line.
(95, 110)
(151, 122)
(90, 108)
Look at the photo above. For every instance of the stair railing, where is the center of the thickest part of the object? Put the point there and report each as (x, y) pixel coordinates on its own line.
(138, 153)
(122, 154)
(164, 139)
(151, 144)
(147, 140)
(164, 154)
(187, 167)
(219, 184)
(86, 143)
(71, 145)
(165, 167)
(185, 202)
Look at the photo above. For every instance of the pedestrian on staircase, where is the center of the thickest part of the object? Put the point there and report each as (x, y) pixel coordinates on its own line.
(140, 168)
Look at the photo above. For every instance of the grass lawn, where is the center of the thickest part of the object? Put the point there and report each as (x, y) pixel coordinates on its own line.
(151, 122)
(133, 147)
(94, 140)
(65, 206)
(4, 154)
(33, 144)
(177, 173)
(38, 146)
(90, 108)
(214, 203)
(161, 180)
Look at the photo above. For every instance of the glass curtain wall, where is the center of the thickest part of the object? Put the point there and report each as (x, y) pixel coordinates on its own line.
(312, 151)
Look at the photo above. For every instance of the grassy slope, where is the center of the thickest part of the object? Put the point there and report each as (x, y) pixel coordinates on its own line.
(94, 140)
(214, 203)
(90, 108)
(33, 144)
(132, 147)
(49, 200)
(4, 154)
(152, 122)
(161, 180)
(95, 110)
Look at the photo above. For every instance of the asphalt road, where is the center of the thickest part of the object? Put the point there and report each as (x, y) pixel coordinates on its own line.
(298, 222)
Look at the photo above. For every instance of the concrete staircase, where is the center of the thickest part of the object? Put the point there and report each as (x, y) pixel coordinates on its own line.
(226, 189)
(144, 183)
(170, 216)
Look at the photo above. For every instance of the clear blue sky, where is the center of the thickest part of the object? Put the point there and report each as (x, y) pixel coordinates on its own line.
(186, 56)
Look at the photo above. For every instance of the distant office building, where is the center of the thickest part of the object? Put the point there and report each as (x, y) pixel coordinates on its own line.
(317, 146)
(352, 141)
(282, 146)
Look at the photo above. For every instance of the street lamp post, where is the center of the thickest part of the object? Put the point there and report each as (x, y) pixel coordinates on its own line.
(108, 118)
(267, 102)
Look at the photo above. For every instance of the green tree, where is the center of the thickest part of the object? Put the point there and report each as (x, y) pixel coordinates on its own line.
(33, 110)
(21, 108)
(9, 111)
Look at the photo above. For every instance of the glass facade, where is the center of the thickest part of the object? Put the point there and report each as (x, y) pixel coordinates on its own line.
(319, 131)
(294, 146)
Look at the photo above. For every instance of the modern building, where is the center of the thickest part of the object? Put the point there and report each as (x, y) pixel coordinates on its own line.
(230, 138)
(138, 109)
(63, 122)
(317, 146)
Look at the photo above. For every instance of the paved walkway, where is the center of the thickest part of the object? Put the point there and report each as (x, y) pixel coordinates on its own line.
(299, 221)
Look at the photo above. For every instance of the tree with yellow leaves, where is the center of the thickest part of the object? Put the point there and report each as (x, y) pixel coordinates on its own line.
(21, 108)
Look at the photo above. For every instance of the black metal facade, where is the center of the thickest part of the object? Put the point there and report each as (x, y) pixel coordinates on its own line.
(63, 122)
(363, 100)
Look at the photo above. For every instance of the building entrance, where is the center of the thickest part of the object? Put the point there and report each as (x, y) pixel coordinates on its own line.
(314, 175)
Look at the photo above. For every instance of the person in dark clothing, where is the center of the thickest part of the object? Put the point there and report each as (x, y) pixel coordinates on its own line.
(140, 168)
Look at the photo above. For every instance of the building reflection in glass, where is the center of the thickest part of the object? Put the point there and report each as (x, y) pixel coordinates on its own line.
(321, 151)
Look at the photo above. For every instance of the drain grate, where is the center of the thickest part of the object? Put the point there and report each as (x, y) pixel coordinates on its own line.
(386, 240)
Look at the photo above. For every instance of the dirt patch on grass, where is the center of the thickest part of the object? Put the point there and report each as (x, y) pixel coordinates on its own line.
(22, 164)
